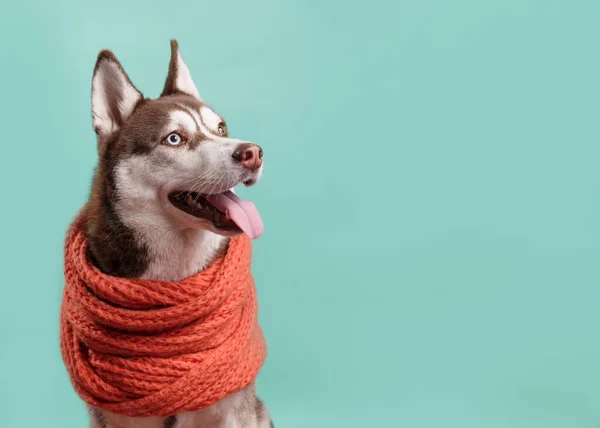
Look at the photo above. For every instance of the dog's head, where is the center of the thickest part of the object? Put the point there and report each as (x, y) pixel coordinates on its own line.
(171, 159)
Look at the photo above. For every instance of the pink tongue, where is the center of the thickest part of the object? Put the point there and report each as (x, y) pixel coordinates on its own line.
(242, 213)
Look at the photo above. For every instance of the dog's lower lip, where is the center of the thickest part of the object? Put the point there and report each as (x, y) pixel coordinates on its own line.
(197, 205)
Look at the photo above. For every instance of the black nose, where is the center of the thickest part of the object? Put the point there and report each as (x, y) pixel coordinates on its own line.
(249, 155)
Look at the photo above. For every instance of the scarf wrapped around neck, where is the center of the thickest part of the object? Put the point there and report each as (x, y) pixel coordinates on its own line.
(157, 348)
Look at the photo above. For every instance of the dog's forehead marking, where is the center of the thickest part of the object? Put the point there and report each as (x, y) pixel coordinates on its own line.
(192, 112)
(182, 119)
(210, 118)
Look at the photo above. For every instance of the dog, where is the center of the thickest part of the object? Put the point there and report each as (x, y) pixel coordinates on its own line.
(153, 211)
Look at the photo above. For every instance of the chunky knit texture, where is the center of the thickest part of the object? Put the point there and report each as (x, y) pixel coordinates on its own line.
(155, 348)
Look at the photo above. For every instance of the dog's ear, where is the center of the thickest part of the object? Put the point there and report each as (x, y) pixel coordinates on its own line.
(179, 78)
(113, 95)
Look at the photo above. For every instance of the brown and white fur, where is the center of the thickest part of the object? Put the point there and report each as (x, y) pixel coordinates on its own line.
(133, 229)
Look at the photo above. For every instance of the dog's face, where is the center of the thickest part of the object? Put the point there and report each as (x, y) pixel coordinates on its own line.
(171, 159)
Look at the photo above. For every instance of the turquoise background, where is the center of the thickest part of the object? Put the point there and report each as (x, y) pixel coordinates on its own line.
(431, 198)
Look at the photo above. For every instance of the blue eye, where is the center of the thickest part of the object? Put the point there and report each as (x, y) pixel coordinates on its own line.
(173, 139)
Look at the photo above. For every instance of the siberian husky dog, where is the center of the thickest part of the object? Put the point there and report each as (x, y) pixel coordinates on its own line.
(162, 206)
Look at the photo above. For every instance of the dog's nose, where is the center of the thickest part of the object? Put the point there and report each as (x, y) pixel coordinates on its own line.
(249, 155)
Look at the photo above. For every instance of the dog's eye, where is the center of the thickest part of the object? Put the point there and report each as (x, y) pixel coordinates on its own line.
(173, 139)
(222, 130)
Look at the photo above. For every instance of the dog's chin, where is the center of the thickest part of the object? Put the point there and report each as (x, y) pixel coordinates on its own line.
(227, 233)
(190, 222)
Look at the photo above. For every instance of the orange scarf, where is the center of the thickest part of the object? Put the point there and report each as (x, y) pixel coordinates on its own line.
(155, 348)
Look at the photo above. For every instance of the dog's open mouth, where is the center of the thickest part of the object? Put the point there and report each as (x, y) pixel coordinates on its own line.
(226, 211)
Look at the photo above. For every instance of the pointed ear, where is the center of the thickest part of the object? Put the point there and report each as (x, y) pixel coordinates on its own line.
(179, 78)
(113, 95)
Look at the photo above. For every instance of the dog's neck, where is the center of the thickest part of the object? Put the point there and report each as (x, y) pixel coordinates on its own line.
(177, 254)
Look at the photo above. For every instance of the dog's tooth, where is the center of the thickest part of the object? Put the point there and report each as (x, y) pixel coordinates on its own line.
(227, 214)
(189, 200)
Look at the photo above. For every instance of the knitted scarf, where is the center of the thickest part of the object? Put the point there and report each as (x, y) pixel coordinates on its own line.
(155, 348)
